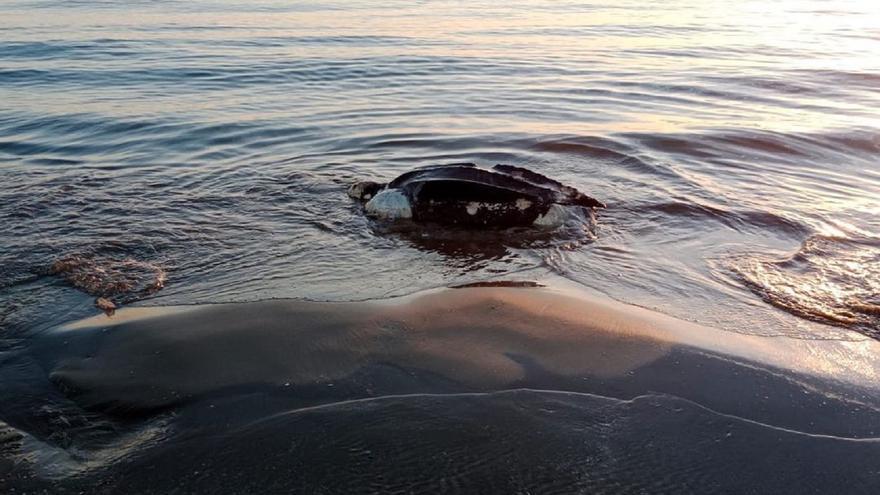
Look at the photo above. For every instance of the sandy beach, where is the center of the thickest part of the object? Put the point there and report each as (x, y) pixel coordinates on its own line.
(246, 381)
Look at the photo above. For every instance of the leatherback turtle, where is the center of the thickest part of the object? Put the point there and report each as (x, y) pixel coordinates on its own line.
(470, 196)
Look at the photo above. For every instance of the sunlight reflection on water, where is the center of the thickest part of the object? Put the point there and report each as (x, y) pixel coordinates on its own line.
(215, 140)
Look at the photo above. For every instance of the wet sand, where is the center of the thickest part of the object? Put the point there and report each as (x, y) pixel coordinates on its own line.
(484, 337)
(517, 388)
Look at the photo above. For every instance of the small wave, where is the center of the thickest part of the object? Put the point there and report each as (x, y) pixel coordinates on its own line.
(499, 283)
(100, 49)
(831, 280)
(737, 219)
(581, 146)
(352, 40)
(864, 79)
(777, 146)
(121, 280)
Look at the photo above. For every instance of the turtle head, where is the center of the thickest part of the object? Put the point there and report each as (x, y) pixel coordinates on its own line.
(365, 190)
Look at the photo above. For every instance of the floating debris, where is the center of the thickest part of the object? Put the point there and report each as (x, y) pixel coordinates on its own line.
(105, 305)
(111, 281)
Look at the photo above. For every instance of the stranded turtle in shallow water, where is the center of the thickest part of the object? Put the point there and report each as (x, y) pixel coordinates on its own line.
(467, 195)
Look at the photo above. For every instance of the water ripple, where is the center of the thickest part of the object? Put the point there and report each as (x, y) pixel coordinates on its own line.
(216, 139)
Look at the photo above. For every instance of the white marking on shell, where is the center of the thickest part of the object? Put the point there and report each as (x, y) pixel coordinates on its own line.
(472, 208)
(554, 217)
(523, 204)
(389, 204)
(356, 190)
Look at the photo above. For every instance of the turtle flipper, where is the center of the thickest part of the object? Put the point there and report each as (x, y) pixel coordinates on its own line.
(528, 176)
(567, 194)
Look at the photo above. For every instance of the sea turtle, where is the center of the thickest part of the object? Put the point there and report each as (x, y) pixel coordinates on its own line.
(470, 196)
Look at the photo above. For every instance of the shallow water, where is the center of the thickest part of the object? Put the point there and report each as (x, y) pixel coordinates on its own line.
(177, 152)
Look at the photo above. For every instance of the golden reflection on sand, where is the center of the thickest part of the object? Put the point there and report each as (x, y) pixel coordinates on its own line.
(126, 315)
(487, 338)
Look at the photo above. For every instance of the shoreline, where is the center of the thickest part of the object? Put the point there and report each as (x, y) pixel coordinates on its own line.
(576, 310)
(220, 387)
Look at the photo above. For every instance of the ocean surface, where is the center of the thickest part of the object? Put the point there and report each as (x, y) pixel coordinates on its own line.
(737, 148)
(187, 152)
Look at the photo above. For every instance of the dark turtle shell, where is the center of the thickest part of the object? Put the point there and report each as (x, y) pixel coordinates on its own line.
(467, 195)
